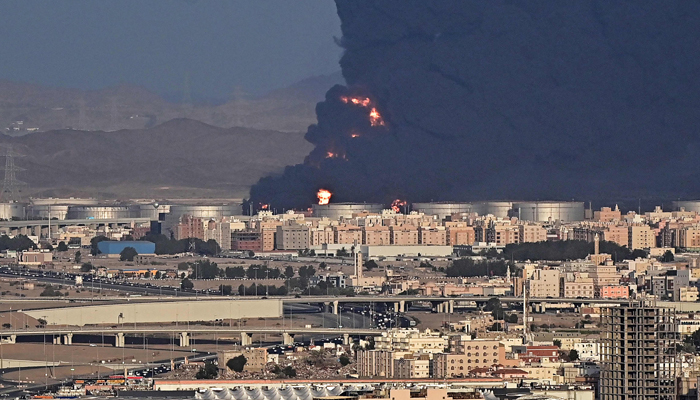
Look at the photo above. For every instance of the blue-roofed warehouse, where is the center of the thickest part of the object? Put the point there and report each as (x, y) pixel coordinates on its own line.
(113, 248)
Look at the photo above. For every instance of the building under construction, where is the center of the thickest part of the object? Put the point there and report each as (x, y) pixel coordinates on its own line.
(638, 352)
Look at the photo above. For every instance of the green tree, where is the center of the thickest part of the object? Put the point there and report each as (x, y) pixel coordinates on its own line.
(288, 272)
(237, 363)
(668, 256)
(209, 371)
(512, 318)
(371, 264)
(158, 275)
(186, 284)
(86, 267)
(147, 274)
(556, 342)
(344, 360)
(573, 355)
(62, 246)
(128, 254)
(78, 257)
(225, 290)
(289, 372)
(41, 321)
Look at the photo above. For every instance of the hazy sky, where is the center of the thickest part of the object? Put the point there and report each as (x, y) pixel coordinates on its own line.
(258, 45)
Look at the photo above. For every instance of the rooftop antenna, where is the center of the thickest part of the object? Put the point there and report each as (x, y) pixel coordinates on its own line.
(10, 187)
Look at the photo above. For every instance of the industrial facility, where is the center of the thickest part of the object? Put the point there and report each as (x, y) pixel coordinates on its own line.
(345, 210)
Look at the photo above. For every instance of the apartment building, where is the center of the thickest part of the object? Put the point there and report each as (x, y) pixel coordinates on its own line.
(606, 214)
(532, 233)
(377, 363)
(641, 237)
(348, 234)
(544, 283)
(292, 237)
(404, 235)
(410, 366)
(459, 235)
(321, 235)
(376, 235)
(189, 227)
(576, 285)
(432, 236)
(615, 292)
(689, 237)
(411, 341)
(616, 234)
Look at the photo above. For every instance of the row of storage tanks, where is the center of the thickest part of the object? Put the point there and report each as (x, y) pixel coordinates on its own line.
(63, 209)
(527, 211)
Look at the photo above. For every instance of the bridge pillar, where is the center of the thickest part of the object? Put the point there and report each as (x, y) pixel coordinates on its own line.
(11, 339)
(184, 339)
(56, 339)
(246, 339)
(346, 339)
(119, 340)
(543, 307)
(68, 338)
(451, 305)
(287, 338)
(335, 306)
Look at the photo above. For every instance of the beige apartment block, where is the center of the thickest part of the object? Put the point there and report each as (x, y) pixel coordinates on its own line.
(404, 235)
(606, 214)
(532, 233)
(377, 363)
(376, 235)
(616, 234)
(410, 366)
(292, 237)
(319, 236)
(689, 237)
(575, 285)
(435, 236)
(411, 341)
(348, 234)
(641, 237)
(459, 235)
(544, 283)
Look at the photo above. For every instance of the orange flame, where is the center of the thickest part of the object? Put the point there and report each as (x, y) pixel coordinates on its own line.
(324, 196)
(360, 101)
(375, 119)
(330, 154)
(355, 135)
(397, 204)
(264, 206)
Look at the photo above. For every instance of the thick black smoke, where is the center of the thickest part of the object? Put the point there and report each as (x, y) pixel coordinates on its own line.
(507, 99)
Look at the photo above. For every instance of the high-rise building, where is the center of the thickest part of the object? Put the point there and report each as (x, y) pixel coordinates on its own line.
(638, 352)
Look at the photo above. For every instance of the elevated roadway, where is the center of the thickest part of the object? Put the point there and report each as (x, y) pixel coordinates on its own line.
(65, 335)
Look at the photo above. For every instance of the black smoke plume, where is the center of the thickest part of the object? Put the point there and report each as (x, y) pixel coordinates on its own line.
(506, 99)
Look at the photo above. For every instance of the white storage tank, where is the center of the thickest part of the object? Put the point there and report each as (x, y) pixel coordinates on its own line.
(544, 211)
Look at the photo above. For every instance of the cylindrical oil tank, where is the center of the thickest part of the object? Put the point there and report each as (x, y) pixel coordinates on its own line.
(336, 210)
(443, 209)
(99, 212)
(543, 211)
(205, 211)
(498, 209)
(12, 210)
(42, 211)
(66, 201)
(687, 205)
(152, 211)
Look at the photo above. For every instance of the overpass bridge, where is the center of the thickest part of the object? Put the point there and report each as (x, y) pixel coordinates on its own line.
(36, 226)
(64, 335)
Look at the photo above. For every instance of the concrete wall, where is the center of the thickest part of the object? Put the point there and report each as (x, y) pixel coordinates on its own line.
(164, 312)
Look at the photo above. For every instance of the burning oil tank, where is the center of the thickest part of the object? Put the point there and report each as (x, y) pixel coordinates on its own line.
(345, 210)
(443, 209)
(543, 211)
(100, 212)
(687, 205)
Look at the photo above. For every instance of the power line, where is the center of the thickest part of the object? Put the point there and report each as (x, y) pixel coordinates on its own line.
(11, 185)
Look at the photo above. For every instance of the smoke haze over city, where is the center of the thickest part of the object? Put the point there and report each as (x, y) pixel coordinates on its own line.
(505, 99)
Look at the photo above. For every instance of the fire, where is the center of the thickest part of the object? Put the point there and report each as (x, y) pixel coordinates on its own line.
(355, 135)
(397, 204)
(375, 119)
(264, 206)
(330, 154)
(324, 196)
(360, 101)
